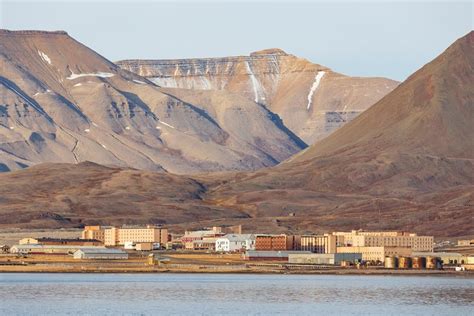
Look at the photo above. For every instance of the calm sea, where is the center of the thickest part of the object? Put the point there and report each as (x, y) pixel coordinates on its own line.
(233, 294)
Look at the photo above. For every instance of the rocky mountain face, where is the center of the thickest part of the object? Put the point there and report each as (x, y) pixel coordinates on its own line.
(62, 102)
(407, 162)
(312, 100)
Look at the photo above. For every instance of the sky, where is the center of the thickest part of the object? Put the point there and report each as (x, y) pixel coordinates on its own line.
(358, 38)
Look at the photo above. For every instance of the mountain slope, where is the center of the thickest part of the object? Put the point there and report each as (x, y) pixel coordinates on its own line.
(311, 99)
(407, 162)
(62, 102)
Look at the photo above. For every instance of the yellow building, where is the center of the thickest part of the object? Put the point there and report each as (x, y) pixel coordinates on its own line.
(376, 253)
(94, 232)
(318, 243)
(385, 239)
(115, 236)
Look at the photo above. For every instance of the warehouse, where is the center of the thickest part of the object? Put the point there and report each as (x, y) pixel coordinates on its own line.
(324, 258)
(272, 255)
(102, 254)
(48, 249)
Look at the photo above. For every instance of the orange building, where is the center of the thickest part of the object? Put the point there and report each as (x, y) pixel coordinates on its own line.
(276, 242)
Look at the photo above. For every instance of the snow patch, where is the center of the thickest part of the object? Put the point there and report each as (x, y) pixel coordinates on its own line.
(315, 86)
(78, 85)
(87, 130)
(138, 81)
(12, 127)
(254, 81)
(127, 128)
(103, 146)
(96, 74)
(44, 57)
(166, 124)
(95, 124)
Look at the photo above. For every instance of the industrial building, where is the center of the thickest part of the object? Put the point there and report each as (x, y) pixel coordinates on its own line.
(118, 236)
(49, 249)
(270, 255)
(102, 254)
(324, 258)
(376, 253)
(235, 242)
(359, 238)
(60, 241)
(447, 258)
(318, 243)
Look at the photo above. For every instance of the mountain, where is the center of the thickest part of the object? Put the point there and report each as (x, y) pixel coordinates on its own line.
(312, 100)
(405, 163)
(62, 102)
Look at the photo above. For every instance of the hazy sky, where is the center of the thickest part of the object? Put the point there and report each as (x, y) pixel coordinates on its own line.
(356, 38)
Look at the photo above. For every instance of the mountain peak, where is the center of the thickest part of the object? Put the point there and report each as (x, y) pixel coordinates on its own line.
(31, 33)
(270, 51)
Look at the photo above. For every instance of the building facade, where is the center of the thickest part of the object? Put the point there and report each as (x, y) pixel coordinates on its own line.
(100, 254)
(60, 241)
(118, 236)
(318, 243)
(94, 232)
(235, 242)
(277, 242)
(324, 258)
(358, 238)
(376, 254)
(49, 249)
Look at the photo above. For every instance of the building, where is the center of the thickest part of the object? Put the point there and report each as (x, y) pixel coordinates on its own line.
(4, 249)
(235, 242)
(60, 241)
(144, 246)
(49, 249)
(318, 243)
(189, 238)
(277, 242)
(94, 232)
(191, 235)
(466, 242)
(100, 254)
(205, 244)
(256, 255)
(359, 238)
(324, 258)
(376, 254)
(118, 236)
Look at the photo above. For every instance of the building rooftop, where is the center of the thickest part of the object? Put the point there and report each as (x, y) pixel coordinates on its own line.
(43, 239)
(238, 237)
(102, 251)
(38, 246)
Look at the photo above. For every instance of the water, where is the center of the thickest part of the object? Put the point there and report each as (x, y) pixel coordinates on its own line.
(233, 294)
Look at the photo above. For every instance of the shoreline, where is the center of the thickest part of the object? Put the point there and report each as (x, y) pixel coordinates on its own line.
(222, 270)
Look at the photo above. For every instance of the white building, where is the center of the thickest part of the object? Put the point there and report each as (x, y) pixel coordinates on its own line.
(235, 242)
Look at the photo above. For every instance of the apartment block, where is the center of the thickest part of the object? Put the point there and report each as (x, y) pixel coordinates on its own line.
(359, 238)
(318, 243)
(277, 242)
(117, 236)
